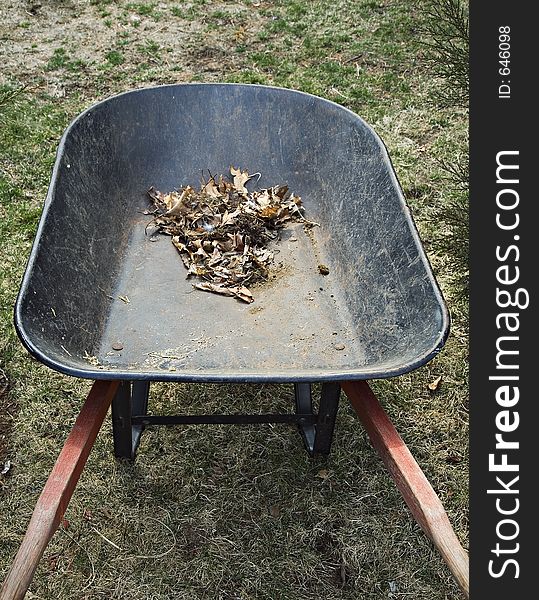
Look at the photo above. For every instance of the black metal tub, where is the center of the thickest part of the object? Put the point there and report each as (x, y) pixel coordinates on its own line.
(96, 283)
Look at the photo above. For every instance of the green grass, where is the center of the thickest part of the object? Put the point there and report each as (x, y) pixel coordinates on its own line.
(114, 57)
(240, 512)
(144, 9)
(61, 60)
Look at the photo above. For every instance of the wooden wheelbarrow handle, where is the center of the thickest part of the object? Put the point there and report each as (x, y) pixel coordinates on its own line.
(417, 492)
(54, 498)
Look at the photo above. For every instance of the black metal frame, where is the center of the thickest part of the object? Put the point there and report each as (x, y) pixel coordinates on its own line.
(130, 407)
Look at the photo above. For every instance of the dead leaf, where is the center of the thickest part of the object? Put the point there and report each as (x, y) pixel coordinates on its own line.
(211, 189)
(88, 514)
(175, 203)
(323, 474)
(241, 293)
(240, 179)
(270, 212)
(156, 195)
(453, 458)
(244, 294)
(433, 386)
(222, 231)
(281, 191)
(263, 199)
(274, 511)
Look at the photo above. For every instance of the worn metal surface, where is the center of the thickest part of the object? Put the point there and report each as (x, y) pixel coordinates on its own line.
(377, 313)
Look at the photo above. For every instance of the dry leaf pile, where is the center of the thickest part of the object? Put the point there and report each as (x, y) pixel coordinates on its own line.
(222, 231)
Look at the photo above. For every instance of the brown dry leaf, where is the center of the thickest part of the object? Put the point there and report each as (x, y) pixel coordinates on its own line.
(229, 218)
(243, 294)
(175, 202)
(197, 270)
(280, 191)
(170, 200)
(156, 195)
(239, 34)
(239, 292)
(270, 212)
(206, 286)
(263, 199)
(295, 199)
(222, 231)
(211, 189)
(453, 458)
(433, 386)
(240, 179)
(323, 474)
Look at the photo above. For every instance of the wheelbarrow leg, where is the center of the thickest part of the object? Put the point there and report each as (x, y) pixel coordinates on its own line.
(415, 488)
(54, 498)
(318, 436)
(131, 399)
(327, 413)
(304, 406)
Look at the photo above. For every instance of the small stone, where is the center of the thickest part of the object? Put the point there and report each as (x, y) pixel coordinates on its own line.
(117, 346)
(339, 346)
(323, 269)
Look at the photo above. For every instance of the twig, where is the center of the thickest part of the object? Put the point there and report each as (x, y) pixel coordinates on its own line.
(107, 539)
(353, 58)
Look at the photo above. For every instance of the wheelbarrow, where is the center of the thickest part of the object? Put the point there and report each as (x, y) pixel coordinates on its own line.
(103, 300)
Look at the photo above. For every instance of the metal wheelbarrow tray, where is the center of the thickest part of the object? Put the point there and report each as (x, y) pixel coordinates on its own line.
(101, 300)
(380, 300)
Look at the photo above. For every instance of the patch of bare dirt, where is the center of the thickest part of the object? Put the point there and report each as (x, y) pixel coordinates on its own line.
(93, 48)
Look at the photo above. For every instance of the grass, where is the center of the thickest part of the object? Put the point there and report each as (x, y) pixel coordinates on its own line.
(227, 512)
(114, 57)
